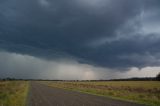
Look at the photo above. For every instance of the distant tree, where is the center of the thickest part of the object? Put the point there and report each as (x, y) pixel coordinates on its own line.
(158, 77)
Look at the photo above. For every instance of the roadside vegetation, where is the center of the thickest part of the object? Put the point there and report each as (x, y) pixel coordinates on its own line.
(158, 77)
(145, 92)
(13, 93)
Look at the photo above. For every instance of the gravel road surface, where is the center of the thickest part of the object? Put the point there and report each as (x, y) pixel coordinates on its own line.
(42, 95)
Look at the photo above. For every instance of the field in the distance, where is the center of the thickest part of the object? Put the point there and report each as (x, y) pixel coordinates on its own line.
(13, 93)
(146, 92)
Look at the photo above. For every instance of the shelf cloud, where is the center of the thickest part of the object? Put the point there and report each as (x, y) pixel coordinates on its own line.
(79, 39)
(24, 66)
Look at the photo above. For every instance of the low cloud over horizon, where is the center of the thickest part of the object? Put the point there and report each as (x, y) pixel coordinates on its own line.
(24, 66)
(79, 39)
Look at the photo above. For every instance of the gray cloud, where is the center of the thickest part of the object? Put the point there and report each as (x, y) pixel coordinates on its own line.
(24, 66)
(105, 33)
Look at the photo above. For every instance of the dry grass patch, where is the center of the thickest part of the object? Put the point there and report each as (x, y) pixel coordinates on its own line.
(13, 93)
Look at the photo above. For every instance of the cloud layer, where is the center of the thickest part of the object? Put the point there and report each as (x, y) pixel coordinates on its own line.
(24, 66)
(115, 35)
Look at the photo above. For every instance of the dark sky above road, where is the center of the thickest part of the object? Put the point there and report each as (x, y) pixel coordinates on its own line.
(79, 39)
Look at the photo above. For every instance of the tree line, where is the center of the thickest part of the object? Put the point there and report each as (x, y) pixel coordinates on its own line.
(157, 78)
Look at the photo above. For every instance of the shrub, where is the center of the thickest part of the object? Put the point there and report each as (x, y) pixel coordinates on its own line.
(158, 77)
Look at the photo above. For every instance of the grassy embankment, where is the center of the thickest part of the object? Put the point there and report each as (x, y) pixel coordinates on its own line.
(146, 92)
(13, 93)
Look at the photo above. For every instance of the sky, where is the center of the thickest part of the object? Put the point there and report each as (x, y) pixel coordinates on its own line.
(79, 39)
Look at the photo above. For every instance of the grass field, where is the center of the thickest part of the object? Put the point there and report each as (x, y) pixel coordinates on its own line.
(13, 93)
(145, 92)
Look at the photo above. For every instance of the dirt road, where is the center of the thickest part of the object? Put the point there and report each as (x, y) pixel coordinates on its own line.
(42, 95)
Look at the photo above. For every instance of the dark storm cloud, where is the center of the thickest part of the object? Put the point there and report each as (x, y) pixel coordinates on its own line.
(100, 32)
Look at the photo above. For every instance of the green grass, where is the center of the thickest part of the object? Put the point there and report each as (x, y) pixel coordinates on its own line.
(13, 93)
(145, 92)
